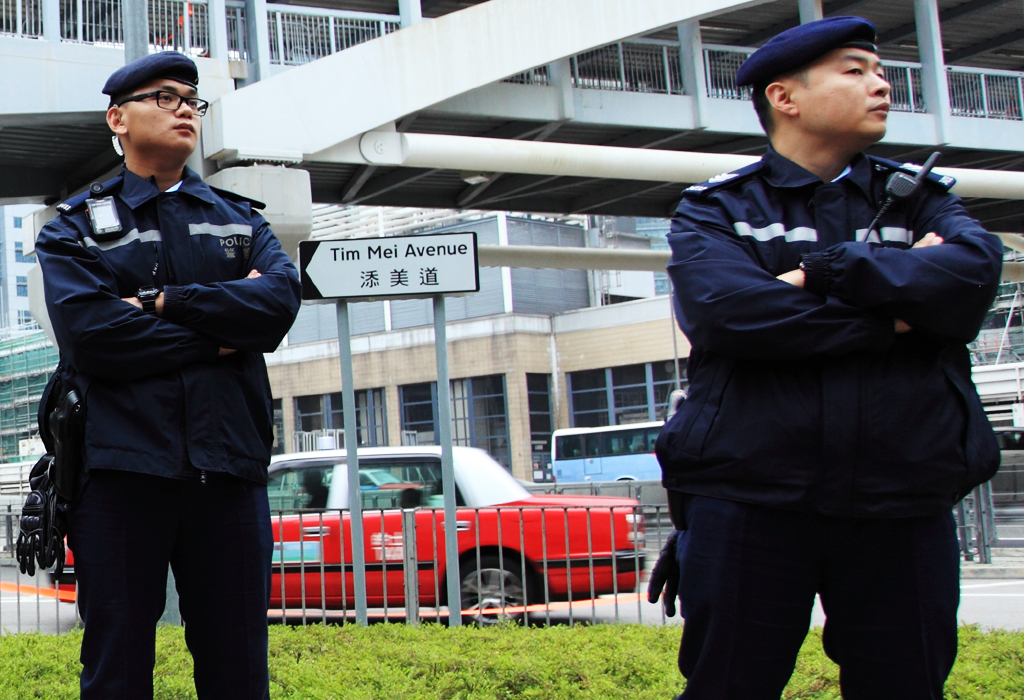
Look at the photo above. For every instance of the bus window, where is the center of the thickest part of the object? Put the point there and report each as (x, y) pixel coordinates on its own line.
(652, 438)
(615, 444)
(592, 445)
(569, 447)
(637, 442)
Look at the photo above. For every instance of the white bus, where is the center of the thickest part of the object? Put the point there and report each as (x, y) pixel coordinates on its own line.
(609, 453)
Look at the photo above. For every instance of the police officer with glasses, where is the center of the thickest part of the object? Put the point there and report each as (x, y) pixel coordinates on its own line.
(831, 422)
(164, 293)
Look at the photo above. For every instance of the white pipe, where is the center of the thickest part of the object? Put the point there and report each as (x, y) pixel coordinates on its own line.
(554, 258)
(475, 154)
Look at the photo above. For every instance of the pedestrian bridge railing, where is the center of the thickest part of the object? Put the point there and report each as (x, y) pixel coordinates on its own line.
(300, 34)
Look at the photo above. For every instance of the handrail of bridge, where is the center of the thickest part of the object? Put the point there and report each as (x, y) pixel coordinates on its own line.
(299, 34)
(554, 258)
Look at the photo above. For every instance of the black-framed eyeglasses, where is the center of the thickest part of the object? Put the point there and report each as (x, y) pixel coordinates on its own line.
(170, 101)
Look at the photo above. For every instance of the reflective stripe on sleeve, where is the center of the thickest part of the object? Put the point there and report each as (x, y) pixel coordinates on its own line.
(800, 233)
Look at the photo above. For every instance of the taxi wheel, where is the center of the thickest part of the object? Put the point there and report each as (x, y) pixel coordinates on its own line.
(492, 586)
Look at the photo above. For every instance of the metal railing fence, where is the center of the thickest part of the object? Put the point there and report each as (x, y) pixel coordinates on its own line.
(302, 34)
(311, 440)
(550, 564)
(988, 94)
(905, 80)
(181, 25)
(23, 18)
(29, 603)
(535, 76)
(238, 49)
(634, 66)
(720, 66)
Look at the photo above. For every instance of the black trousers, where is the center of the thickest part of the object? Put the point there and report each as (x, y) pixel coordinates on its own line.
(749, 575)
(124, 530)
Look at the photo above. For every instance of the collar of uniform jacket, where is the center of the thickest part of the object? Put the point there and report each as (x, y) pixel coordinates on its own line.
(136, 191)
(782, 172)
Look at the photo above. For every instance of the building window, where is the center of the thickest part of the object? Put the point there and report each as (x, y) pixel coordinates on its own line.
(17, 222)
(479, 416)
(538, 393)
(278, 407)
(19, 253)
(419, 413)
(309, 413)
(325, 412)
(371, 418)
(25, 320)
(619, 395)
(478, 411)
(588, 395)
(22, 286)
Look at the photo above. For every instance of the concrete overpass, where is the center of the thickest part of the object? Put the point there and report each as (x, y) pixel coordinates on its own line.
(653, 75)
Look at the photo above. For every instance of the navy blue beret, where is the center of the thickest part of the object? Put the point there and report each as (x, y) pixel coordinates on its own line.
(166, 64)
(800, 45)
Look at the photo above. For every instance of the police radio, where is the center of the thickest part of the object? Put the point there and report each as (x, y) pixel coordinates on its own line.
(901, 186)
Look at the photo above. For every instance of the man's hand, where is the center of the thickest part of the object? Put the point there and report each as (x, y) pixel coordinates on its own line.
(665, 576)
(794, 277)
(928, 241)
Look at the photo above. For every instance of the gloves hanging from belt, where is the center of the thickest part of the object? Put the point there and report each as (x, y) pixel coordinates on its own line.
(43, 523)
(665, 576)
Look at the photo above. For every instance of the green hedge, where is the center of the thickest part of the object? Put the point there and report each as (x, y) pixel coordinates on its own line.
(390, 661)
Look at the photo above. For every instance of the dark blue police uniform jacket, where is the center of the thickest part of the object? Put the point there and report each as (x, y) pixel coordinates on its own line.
(158, 398)
(811, 401)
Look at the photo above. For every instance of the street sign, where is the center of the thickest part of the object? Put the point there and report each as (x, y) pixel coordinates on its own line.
(391, 267)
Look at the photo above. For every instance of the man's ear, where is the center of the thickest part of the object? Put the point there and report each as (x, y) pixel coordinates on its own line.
(116, 121)
(780, 97)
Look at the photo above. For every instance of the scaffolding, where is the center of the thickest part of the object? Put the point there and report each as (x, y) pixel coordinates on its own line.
(26, 362)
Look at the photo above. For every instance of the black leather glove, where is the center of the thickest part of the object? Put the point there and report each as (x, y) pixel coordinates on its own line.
(33, 529)
(43, 523)
(665, 576)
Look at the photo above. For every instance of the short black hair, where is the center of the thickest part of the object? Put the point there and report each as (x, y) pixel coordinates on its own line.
(763, 107)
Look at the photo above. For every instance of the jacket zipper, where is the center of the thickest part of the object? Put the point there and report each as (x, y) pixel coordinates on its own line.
(202, 477)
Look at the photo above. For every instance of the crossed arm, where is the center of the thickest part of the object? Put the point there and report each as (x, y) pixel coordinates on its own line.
(730, 303)
(134, 301)
(797, 278)
(108, 336)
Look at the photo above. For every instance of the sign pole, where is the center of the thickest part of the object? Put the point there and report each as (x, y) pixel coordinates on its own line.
(444, 429)
(422, 266)
(355, 500)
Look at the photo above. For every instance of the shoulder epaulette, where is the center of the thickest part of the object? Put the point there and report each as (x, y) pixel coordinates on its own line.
(725, 179)
(943, 181)
(96, 189)
(235, 197)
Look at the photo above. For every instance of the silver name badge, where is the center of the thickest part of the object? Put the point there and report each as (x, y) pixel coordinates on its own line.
(103, 215)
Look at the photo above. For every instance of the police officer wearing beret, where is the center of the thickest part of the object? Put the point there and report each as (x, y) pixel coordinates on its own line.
(831, 422)
(164, 293)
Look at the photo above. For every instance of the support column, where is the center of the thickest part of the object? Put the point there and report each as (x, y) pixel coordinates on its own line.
(810, 10)
(506, 272)
(257, 40)
(135, 16)
(51, 20)
(933, 67)
(560, 74)
(217, 12)
(410, 12)
(691, 64)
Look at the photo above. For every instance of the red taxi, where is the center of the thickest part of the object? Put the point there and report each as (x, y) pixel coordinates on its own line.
(513, 545)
